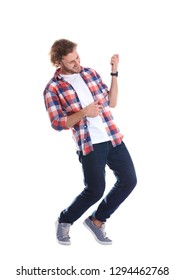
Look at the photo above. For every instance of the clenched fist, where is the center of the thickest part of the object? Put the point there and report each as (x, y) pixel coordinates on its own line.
(93, 109)
(114, 62)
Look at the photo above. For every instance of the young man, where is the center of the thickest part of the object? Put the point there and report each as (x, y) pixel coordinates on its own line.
(76, 98)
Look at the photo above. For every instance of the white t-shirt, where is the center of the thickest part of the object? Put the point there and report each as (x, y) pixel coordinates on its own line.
(96, 127)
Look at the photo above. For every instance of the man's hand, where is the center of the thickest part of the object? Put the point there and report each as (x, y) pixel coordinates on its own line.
(93, 109)
(114, 63)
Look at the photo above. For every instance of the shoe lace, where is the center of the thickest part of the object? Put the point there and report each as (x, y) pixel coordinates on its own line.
(66, 231)
(102, 229)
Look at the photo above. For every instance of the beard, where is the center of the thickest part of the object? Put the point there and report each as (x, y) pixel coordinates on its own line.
(66, 70)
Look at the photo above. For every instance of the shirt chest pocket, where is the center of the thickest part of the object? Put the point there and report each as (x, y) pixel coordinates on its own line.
(70, 103)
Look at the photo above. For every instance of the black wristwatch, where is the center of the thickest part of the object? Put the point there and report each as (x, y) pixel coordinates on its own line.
(115, 74)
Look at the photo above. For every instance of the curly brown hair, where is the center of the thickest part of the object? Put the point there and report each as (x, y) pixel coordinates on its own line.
(59, 49)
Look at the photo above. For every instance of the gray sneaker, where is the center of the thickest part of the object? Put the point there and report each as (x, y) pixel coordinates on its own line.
(98, 232)
(62, 233)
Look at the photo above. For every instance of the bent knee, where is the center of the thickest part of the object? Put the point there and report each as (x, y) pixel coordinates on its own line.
(97, 195)
(129, 182)
(133, 182)
(93, 195)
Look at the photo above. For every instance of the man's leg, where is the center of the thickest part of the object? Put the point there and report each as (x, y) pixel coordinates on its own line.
(120, 162)
(93, 166)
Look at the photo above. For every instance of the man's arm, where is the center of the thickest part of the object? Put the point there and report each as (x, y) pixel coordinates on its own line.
(59, 119)
(113, 92)
(92, 110)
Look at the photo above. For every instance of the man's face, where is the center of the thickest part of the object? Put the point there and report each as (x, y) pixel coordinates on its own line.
(70, 63)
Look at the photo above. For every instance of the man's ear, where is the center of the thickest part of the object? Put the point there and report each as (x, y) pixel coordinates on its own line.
(58, 64)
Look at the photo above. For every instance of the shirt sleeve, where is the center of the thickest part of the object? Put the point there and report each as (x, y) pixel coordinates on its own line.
(103, 87)
(56, 114)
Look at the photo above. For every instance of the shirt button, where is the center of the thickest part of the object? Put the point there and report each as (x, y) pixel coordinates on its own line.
(85, 126)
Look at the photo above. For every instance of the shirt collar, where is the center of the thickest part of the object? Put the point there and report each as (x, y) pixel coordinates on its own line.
(58, 76)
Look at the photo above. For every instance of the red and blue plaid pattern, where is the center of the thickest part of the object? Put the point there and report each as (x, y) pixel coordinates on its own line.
(61, 100)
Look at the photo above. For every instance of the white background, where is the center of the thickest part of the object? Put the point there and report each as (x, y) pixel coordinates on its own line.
(40, 173)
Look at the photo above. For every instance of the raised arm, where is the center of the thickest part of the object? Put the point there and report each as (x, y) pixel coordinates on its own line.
(113, 92)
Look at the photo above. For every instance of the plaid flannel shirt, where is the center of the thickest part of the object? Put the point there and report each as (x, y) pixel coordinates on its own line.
(61, 101)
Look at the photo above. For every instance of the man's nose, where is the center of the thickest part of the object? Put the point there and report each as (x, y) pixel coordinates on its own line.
(76, 63)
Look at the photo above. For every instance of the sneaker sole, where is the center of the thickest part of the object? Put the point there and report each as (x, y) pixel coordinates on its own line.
(63, 243)
(101, 242)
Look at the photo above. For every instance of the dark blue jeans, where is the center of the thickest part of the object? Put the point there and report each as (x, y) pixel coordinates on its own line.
(119, 161)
